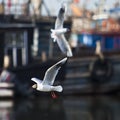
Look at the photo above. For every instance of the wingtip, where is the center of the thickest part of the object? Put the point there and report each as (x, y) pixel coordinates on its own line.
(64, 60)
(32, 78)
(70, 55)
(61, 62)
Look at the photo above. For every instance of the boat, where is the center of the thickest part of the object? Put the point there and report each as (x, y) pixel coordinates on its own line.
(26, 40)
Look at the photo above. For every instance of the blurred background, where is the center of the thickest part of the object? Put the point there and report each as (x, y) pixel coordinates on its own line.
(90, 79)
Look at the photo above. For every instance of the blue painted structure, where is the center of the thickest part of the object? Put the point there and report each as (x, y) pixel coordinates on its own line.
(109, 42)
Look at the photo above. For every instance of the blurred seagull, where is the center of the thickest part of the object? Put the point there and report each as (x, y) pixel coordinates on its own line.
(58, 33)
(47, 84)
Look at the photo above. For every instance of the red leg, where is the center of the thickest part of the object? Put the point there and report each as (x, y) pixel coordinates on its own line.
(53, 95)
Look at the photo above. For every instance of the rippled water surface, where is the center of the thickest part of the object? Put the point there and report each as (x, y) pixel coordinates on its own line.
(62, 108)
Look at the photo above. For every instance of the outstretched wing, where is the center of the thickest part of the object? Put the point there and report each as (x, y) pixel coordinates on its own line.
(60, 18)
(38, 81)
(64, 45)
(52, 72)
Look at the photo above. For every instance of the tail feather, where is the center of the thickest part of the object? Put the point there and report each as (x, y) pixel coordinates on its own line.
(58, 88)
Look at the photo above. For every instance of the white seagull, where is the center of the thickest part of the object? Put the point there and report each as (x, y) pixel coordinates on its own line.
(58, 33)
(46, 85)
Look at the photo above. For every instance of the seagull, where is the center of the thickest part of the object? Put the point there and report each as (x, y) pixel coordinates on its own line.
(58, 33)
(46, 85)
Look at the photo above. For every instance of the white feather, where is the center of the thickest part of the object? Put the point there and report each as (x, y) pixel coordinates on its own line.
(47, 84)
(58, 33)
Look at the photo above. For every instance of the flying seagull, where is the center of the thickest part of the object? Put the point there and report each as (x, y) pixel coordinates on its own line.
(46, 85)
(58, 33)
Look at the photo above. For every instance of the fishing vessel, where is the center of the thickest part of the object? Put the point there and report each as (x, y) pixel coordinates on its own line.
(25, 38)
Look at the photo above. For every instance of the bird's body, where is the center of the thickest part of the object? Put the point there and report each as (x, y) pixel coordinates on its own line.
(47, 88)
(47, 84)
(58, 33)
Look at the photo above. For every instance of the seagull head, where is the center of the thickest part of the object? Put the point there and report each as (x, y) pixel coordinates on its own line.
(64, 6)
(34, 86)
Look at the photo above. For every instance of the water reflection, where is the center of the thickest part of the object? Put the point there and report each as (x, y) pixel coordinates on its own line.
(5, 109)
(63, 108)
(101, 110)
(92, 108)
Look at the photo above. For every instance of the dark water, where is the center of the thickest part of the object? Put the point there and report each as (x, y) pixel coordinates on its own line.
(62, 108)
